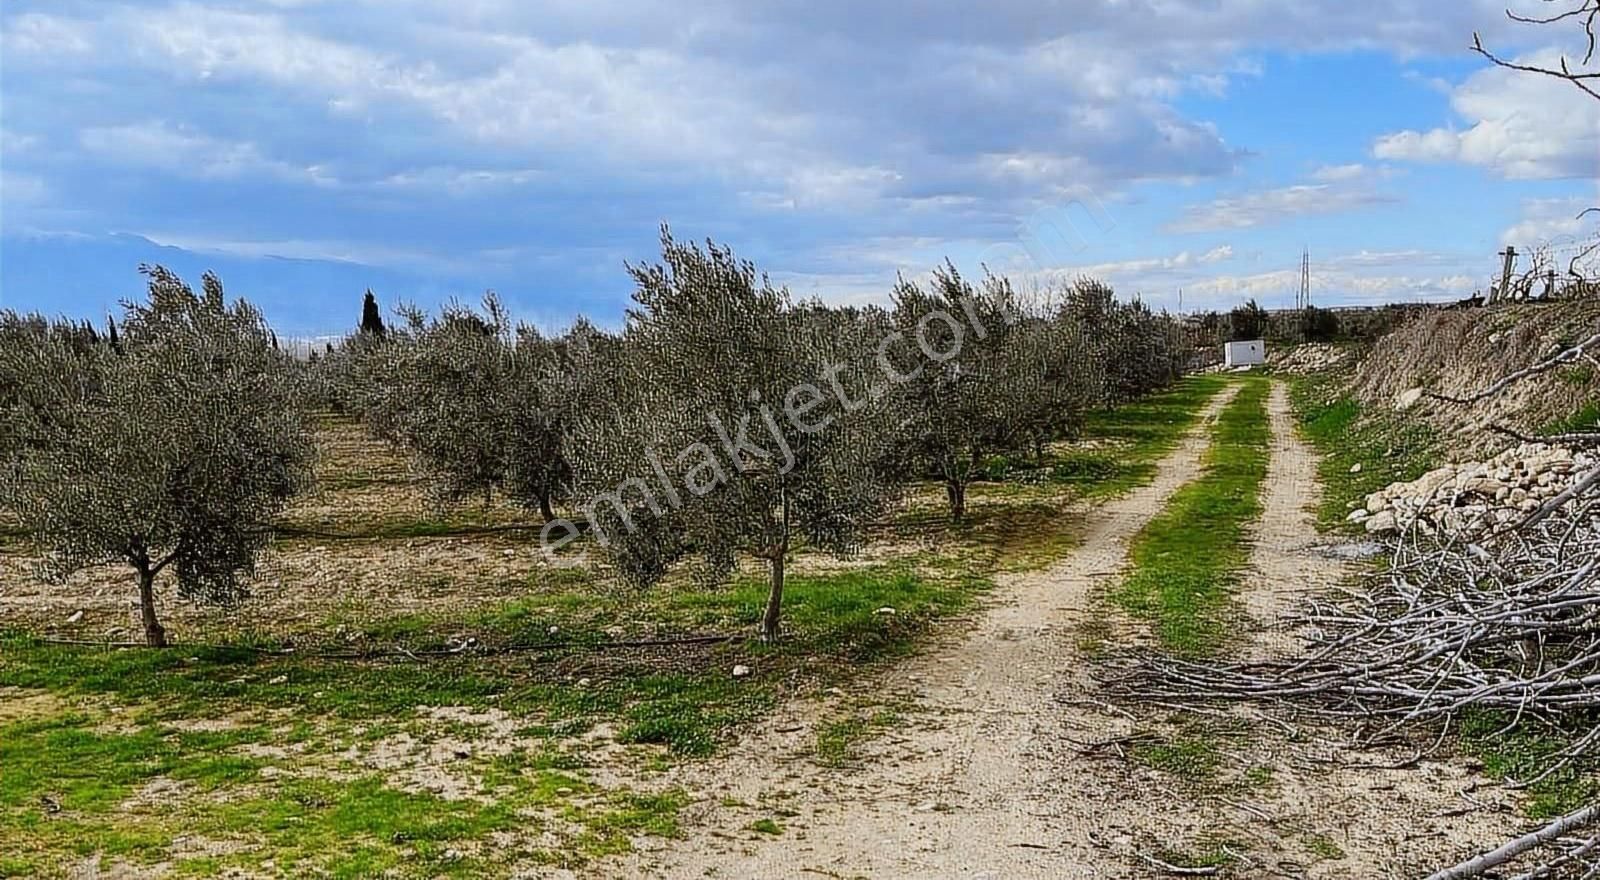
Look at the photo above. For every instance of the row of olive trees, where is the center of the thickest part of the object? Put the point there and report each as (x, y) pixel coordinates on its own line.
(727, 419)
(724, 420)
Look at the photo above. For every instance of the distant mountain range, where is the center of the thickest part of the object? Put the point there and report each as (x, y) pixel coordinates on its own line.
(88, 276)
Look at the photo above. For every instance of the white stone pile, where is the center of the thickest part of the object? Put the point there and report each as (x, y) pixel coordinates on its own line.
(1310, 357)
(1468, 499)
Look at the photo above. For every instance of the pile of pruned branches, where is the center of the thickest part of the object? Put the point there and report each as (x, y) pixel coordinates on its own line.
(1508, 624)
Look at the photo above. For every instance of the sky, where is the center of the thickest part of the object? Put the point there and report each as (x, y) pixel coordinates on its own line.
(1184, 150)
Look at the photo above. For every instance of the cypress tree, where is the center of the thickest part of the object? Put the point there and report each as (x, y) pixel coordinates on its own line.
(371, 316)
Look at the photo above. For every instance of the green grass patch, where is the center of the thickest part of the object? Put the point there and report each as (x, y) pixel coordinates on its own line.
(1192, 758)
(74, 787)
(1387, 447)
(1118, 448)
(685, 700)
(1521, 752)
(1323, 847)
(1132, 438)
(1185, 560)
(1206, 853)
(839, 740)
(1586, 419)
(1018, 518)
(766, 826)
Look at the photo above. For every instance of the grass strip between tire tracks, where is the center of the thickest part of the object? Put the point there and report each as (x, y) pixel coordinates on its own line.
(1186, 561)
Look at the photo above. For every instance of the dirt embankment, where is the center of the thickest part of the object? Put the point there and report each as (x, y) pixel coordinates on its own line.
(1458, 352)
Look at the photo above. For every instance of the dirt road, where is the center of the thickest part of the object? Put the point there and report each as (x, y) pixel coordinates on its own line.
(992, 773)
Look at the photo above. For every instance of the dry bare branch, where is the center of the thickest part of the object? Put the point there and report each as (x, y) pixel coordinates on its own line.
(1479, 865)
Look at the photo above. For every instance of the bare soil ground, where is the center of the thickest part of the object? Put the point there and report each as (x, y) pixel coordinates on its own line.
(993, 757)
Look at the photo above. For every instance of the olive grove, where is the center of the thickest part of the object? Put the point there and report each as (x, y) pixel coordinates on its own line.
(728, 420)
(472, 397)
(724, 420)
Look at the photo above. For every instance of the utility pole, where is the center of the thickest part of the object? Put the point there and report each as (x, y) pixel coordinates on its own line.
(1510, 254)
(1305, 280)
(1303, 299)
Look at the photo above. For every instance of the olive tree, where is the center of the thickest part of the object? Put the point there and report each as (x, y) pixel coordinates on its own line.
(970, 375)
(471, 396)
(173, 450)
(1152, 352)
(739, 425)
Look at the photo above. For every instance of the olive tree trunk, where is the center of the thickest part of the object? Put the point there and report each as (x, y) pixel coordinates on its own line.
(154, 634)
(770, 619)
(956, 492)
(779, 553)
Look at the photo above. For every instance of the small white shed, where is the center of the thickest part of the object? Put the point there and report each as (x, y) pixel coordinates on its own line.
(1250, 353)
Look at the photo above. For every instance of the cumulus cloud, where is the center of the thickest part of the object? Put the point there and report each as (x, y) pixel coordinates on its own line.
(161, 146)
(1519, 125)
(1338, 189)
(1558, 222)
(1331, 286)
(1200, 283)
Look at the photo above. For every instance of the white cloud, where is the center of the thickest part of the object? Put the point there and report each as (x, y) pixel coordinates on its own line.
(15, 144)
(1520, 125)
(45, 36)
(1352, 278)
(360, 253)
(1559, 222)
(1336, 173)
(461, 181)
(161, 146)
(17, 188)
(1330, 288)
(1339, 189)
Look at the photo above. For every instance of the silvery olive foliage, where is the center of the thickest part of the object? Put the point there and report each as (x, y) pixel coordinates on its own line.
(473, 397)
(981, 372)
(172, 449)
(1136, 350)
(725, 421)
(738, 423)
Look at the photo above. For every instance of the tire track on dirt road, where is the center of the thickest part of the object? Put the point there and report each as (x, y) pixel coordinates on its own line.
(983, 782)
